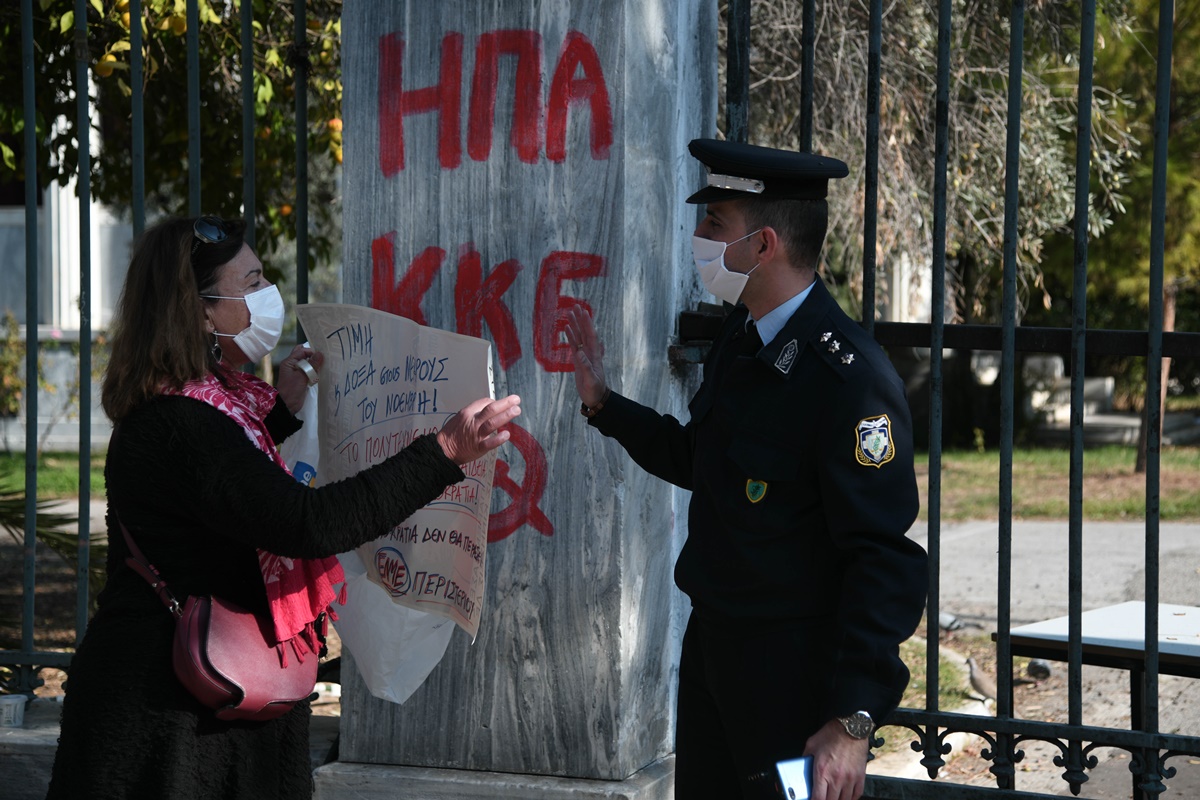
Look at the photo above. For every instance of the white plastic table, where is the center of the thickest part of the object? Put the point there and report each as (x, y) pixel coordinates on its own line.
(1115, 637)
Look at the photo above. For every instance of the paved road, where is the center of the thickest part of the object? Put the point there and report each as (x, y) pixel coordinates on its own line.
(1113, 567)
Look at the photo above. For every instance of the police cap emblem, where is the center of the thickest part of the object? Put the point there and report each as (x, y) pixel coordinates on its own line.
(756, 490)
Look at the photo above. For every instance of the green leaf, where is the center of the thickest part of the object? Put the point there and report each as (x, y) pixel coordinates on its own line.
(120, 46)
(96, 4)
(265, 92)
(10, 158)
(67, 21)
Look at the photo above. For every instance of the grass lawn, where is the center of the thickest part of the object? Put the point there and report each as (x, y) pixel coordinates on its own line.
(1041, 484)
(58, 474)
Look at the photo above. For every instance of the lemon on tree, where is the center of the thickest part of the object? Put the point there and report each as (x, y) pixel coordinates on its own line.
(104, 67)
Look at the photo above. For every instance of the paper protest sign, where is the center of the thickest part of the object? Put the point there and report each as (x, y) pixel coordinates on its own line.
(385, 381)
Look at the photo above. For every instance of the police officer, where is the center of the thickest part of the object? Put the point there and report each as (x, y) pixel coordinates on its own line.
(799, 456)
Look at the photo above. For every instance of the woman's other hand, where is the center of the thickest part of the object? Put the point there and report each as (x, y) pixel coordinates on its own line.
(292, 382)
(478, 428)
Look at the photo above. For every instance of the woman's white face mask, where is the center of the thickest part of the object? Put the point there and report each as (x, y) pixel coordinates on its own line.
(709, 256)
(266, 322)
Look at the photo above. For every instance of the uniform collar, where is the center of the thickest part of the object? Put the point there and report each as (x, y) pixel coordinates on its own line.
(774, 320)
(781, 352)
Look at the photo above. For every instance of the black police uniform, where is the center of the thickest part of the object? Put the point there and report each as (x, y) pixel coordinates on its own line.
(799, 456)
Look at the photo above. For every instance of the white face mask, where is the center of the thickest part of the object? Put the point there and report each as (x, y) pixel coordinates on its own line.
(266, 322)
(709, 256)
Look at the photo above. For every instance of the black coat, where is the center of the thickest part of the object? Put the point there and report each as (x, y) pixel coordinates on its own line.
(800, 463)
(199, 499)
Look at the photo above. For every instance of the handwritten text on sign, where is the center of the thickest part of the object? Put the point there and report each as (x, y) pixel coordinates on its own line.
(385, 381)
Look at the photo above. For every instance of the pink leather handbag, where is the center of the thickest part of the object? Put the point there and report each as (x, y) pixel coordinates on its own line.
(225, 656)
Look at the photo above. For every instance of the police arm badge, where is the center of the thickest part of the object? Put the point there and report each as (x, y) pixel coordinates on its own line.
(873, 445)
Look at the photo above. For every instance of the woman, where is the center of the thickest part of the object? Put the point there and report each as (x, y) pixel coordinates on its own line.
(194, 474)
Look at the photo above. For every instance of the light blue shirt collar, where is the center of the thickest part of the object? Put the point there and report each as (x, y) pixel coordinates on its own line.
(773, 321)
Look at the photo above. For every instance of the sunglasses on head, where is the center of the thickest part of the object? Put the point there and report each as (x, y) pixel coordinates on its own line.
(208, 230)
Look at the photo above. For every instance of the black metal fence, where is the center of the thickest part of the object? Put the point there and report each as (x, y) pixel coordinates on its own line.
(26, 663)
(1149, 748)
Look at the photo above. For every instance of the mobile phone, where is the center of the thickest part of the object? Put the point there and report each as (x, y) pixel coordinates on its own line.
(795, 777)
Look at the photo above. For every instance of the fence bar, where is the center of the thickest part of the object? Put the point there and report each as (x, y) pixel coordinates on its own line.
(871, 189)
(808, 39)
(83, 185)
(300, 64)
(1003, 767)
(138, 118)
(1030, 339)
(1152, 779)
(937, 337)
(193, 101)
(737, 71)
(248, 204)
(25, 678)
(1074, 772)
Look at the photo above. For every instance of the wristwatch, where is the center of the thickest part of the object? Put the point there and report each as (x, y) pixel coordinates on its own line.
(859, 724)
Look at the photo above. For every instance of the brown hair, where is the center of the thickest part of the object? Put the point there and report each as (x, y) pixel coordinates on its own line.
(800, 224)
(158, 331)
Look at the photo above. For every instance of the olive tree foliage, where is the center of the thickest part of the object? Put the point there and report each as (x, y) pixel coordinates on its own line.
(1119, 263)
(978, 131)
(277, 56)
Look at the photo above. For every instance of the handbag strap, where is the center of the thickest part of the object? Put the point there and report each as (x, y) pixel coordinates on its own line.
(139, 564)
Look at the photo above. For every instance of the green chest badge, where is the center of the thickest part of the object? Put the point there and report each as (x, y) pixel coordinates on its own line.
(756, 490)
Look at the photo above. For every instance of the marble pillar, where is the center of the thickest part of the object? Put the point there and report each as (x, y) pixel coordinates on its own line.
(504, 160)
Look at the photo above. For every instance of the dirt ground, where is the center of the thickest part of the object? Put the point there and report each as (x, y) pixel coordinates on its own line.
(1105, 702)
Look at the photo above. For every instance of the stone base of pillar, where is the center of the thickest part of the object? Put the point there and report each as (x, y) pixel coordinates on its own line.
(346, 781)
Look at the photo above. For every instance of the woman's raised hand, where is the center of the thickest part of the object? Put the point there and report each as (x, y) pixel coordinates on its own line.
(478, 428)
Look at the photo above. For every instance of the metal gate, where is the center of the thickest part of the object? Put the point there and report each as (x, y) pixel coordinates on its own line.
(1149, 748)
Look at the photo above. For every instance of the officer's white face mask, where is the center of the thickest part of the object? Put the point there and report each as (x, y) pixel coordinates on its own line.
(709, 256)
(266, 322)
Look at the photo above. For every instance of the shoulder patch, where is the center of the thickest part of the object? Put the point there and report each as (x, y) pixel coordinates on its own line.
(873, 446)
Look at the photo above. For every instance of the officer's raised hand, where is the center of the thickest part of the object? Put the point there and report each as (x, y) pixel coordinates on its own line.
(589, 357)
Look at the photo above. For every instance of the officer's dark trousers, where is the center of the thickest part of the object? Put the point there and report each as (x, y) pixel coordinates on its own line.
(749, 696)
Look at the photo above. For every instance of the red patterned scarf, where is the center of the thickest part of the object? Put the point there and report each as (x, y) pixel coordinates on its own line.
(298, 589)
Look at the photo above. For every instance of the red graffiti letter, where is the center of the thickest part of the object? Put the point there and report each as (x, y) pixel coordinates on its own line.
(550, 307)
(395, 101)
(567, 90)
(403, 298)
(523, 510)
(477, 299)
(527, 94)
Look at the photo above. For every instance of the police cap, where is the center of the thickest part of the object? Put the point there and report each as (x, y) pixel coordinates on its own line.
(738, 170)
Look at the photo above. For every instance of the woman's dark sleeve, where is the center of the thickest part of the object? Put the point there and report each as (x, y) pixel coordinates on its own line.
(282, 423)
(197, 463)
